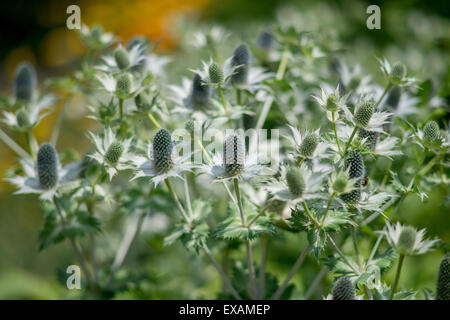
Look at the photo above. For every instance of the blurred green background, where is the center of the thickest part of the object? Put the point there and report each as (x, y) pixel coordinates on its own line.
(416, 32)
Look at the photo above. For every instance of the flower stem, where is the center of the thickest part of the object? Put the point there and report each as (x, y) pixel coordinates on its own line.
(239, 201)
(349, 141)
(177, 202)
(335, 132)
(344, 258)
(153, 120)
(282, 67)
(384, 93)
(397, 276)
(222, 98)
(29, 136)
(14, 146)
(313, 220)
(238, 96)
(121, 109)
(326, 210)
(262, 267)
(57, 129)
(291, 274)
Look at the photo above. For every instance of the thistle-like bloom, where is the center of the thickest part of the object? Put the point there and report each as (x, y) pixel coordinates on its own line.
(45, 176)
(266, 40)
(308, 145)
(297, 184)
(356, 170)
(241, 59)
(344, 290)
(162, 160)
(396, 74)
(95, 38)
(233, 163)
(28, 116)
(212, 74)
(443, 281)
(430, 136)
(406, 240)
(366, 117)
(370, 138)
(124, 86)
(340, 183)
(331, 101)
(191, 96)
(112, 153)
(121, 59)
(25, 83)
(363, 113)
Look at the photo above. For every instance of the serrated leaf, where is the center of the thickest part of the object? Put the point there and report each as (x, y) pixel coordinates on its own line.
(317, 239)
(336, 219)
(232, 228)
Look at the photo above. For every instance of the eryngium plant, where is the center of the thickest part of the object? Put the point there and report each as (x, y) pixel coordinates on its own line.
(443, 281)
(353, 149)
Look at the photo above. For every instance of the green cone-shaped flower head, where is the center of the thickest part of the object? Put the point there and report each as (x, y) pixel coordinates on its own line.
(398, 72)
(370, 136)
(407, 239)
(309, 145)
(332, 103)
(114, 152)
(356, 169)
(47, 166)
(124, 84)
(340, 183)
(295, 181)
(233, 155)
(363, 113)
(431, 132)
(343, 290)
(215, 73)
(162, 151)
(25, 82)
(241, 57)
(23, 118)
(201, 93)
(443, 282)
(122, 58)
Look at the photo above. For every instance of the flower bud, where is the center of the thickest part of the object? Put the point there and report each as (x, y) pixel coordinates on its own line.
(233, 155)
(23, 119)
(215, 73)
(363, 113)
(123, 85)
(114, 152)
(96, 32)
(343, 290)
(296, 183)
(47, 166)
(200, 93)
(309, 145)
(340, 183)
(431, 132)
(122, 58)
(398, 72)
(162, 151)
(443, 282)
(25, 82)
(407, 239)
(355, 165)
(332, 103)
(241, 57)
(370, 136)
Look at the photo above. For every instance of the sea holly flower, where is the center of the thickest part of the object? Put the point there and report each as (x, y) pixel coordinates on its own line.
(331, 101)
(340, 183)
(430, 136)
(355, 166)
(124, 86)
(95, 38)
(443, 281)
(192, 95)
(297, 184)
(233, 163)
(28, 116)
(366, 117)
(46, 176)
(113, 154)
(122, 59)
(396, 74)
(212, 74)
(25, 83)
(406, 240)
(307, 145)
(344, 290)
(162, 160)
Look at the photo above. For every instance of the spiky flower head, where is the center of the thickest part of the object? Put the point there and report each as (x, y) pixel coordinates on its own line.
(431, 132)
(340, 182)
(123, 85)
(142, 101)
(344, 290)
(25, 82)
(370, 136)
(309, 145)
(162, 150)
(295, 181)
(233, 155)
(200, 93)
(122, 58)
(443, 281)
(364, 111)
(393, 97)
(356, 169)
(406, 239)
(265, 40)
(215, 73)
(47, 166)
(241, 59)
(23, 118)
(398, 72)
(114, 152)
(332, 103)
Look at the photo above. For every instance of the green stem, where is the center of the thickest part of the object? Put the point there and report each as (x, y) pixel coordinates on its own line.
(177, 202)
(238, 96)
(239, 201)
(29, 136)
(397, 276)
(262, 267)
(384, 93)
(14, 146)
(222, 98)
(344, 258)
(57, 129)
(335, 132)
(349, 141)
(121, 109)
(153, 120)
(326, 210)
(313, 220)
(251, 269)
(282, 67)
